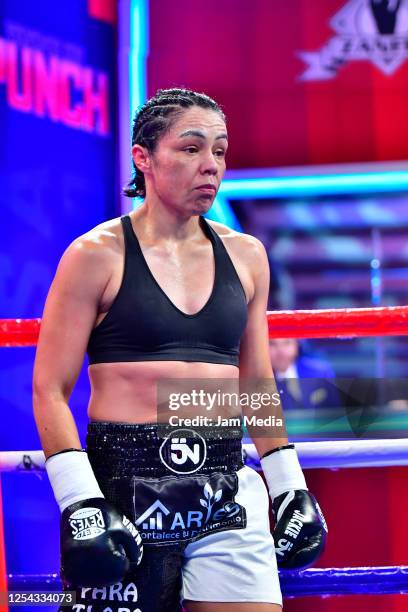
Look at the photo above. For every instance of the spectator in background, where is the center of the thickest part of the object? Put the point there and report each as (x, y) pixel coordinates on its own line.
(304, 382)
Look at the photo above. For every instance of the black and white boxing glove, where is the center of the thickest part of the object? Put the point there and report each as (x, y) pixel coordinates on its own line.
(98, 545)
(300, 529)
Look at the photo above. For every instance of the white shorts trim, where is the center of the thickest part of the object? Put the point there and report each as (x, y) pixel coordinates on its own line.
(237, 565)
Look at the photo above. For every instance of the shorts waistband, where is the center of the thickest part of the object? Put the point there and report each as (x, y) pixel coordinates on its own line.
(123, 449)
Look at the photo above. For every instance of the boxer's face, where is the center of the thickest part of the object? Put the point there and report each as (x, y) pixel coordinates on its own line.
(283, 352)
(187, 166)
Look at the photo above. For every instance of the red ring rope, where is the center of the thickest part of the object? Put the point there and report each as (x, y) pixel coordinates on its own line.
(339, 323)
(330, 323)
(19, 332)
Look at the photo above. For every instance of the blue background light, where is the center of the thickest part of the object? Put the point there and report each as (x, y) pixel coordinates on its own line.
(303, 186)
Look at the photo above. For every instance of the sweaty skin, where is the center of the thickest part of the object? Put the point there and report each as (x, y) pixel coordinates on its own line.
(180, 257)
(193, 266)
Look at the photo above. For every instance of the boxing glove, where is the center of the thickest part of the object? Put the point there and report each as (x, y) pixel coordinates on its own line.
(98, 545)
(300, 528)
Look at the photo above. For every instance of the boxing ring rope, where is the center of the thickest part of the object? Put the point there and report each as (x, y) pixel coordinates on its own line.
(312, 455)
(339, 322)
(328, 323)
(312, 582)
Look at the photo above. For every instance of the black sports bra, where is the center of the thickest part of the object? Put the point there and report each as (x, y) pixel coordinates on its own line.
(143, 324)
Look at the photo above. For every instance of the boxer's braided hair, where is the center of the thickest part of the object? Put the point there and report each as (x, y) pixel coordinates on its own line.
(154, 118)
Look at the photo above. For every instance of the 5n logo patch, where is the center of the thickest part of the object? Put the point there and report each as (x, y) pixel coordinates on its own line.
(184, 451)
(372, 30)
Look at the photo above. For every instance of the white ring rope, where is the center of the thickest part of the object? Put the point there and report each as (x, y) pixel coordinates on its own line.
(319, 454)
(344, 453)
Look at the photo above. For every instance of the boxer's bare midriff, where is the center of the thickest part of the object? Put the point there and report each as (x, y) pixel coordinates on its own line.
(127, 392)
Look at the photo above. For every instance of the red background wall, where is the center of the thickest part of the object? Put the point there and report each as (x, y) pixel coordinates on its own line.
(245, 54)
(364, 513)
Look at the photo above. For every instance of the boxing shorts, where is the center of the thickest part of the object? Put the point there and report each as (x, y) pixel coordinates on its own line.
(203, 517)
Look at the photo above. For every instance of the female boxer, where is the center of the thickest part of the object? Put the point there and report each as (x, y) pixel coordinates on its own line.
(159, 294)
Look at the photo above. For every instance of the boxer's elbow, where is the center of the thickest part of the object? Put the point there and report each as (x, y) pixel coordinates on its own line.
(46, 397)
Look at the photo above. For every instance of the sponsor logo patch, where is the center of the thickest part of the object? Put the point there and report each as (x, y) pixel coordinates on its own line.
(87, 523)
(186, 509)
(282, 547)
(184, 451)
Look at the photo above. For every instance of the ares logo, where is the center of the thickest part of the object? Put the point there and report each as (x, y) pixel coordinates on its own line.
(373, 30)
(184, 451)
(158, 517)
(154, 522)
(86, 523)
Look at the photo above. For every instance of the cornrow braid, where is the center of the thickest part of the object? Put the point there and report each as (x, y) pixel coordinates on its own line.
(155, 118)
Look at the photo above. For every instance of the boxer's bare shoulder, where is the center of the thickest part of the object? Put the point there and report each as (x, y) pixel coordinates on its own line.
(104, 240)
(243, 245)
(97, 252)
(247, 253)
(91, 261)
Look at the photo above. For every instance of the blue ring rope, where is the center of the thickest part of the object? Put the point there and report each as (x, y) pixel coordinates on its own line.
(323, 582)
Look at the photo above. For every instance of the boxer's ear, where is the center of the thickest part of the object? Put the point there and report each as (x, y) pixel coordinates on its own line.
(141, 158)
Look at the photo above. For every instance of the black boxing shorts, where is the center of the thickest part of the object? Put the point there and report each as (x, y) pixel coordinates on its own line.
(202, 515)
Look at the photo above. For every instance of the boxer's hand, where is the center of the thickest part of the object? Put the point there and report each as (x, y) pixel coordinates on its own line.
(300, 529)
(97, 544)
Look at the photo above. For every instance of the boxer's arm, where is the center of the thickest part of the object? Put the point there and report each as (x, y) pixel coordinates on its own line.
(291, 501)
(68, 318)
(254, 360)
